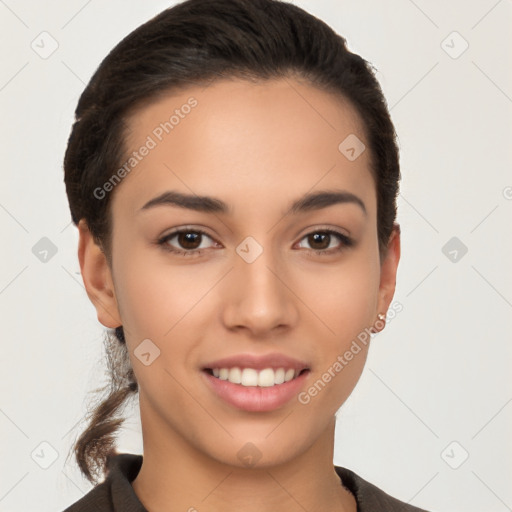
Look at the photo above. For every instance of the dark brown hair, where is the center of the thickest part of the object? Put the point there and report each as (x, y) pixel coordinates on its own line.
(194, 43)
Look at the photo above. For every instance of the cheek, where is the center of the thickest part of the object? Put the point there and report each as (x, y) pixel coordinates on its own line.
(154, 296)
(342, 298)
(344, 306)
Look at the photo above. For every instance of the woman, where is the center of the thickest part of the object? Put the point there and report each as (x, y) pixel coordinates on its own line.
(233, 172)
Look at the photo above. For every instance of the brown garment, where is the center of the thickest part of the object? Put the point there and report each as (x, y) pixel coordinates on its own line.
(116, 493)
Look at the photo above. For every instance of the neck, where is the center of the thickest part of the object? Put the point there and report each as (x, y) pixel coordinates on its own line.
(177, 476)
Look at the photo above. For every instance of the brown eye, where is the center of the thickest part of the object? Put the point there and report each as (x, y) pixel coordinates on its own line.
(188, 239)
(188, 242)
(320, 241)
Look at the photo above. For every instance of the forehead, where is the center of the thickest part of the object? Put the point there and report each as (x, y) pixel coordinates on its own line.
(237, 140)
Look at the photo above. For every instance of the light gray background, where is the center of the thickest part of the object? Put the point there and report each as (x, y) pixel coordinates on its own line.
(439, 373)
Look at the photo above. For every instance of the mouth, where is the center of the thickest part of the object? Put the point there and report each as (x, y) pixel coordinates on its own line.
(256, 390)
(252, 377)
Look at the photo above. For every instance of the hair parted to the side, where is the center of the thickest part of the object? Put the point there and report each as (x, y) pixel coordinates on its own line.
(191, 44)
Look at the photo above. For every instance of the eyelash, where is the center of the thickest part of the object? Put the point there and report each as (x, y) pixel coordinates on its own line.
(346, 242)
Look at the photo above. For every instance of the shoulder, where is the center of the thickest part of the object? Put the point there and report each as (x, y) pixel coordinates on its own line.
(369, 497)
(98, 498)
(115, 493)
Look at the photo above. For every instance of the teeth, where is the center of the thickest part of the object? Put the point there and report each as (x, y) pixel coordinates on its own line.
(251, 377)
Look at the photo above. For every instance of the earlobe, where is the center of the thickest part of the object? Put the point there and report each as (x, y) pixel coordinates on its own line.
(97, 278)
(388, 273)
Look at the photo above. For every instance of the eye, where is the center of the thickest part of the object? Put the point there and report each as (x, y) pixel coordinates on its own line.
(321, 241)
(188, 239)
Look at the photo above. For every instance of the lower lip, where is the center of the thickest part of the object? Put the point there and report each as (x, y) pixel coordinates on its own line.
(255, 398)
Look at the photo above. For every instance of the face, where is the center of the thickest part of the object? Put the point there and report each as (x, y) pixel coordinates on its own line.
(247, 276)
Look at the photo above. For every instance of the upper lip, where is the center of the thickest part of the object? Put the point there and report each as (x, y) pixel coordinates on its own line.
(258, 362)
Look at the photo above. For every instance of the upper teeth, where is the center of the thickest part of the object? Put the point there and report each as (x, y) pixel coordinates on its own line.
(251, 377)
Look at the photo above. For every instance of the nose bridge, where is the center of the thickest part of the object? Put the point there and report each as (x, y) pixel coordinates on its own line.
(258, 298)
(254, 269)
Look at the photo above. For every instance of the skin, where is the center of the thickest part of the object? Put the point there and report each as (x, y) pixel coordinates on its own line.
(257, 147)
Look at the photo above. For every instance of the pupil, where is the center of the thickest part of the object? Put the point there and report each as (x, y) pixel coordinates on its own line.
(316, 236)
(187, 240)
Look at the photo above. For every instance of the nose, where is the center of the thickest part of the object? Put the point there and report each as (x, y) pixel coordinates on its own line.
(258, 296)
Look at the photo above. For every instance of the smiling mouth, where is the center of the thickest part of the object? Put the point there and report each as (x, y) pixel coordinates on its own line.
(251, 377)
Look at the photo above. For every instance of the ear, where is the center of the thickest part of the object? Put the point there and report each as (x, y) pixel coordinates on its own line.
(97, 278)
(388, 272)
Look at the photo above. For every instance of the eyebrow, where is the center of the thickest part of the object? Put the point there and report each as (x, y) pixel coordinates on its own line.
(308, 202)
